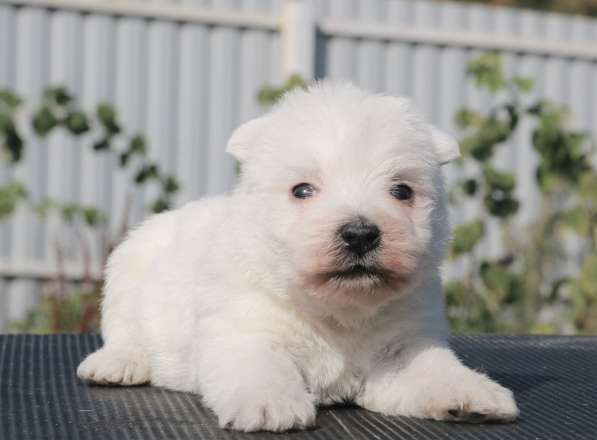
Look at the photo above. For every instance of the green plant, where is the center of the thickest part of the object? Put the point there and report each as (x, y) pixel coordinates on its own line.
(526, 288)
(67, 306)
(75, 311)
(100, 130)
(268, 95)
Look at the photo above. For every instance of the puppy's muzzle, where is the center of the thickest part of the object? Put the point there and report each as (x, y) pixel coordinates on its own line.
(360, 236)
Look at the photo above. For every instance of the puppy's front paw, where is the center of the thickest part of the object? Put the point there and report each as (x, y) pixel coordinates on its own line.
(470, 397)
(109, 366)
(266, 409)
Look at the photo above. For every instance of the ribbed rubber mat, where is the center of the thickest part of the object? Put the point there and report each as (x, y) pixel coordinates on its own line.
(554, 378)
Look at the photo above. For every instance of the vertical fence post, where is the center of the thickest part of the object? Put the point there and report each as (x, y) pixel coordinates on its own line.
(298, 36)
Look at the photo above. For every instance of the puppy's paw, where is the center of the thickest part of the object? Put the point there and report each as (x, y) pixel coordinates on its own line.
(469, 398)
(267, 410)
(109, 366)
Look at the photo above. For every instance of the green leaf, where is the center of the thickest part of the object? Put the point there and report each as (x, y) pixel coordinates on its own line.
(537, 108)
(455, 292)
(61, 96)
(57, 95)
(76, 122)
(269, 95)
(523, 84)
(10, 100)
(105, 113)
(478, 147)
(505, 285)
(124, 159)
(10, 195)
(70, 211)
(470, 187)
(547, 181)
(13, 143)
(137, 145)
(563, 154)
(587, 279)
(6, 121)
(541, 328)
(102, 145)
(466, 118)
(513, 116)
(487, 72)
(480, 144)
(44, 121)
(498, 198)
(578, 220)
(588, 188)
(500, 205)
(494, 276)
(170, 185)
(160, 205)
(147, 172)
(294, 82)
(466, 237)
(92, 216)
(499, 180)
(107, 117)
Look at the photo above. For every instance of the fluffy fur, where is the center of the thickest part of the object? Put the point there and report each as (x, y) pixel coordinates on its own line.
(244, 298)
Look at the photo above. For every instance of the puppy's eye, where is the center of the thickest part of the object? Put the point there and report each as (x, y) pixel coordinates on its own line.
(401, 191)
(303, 190)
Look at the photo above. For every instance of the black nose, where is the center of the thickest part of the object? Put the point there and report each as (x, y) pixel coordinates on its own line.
(360, 236)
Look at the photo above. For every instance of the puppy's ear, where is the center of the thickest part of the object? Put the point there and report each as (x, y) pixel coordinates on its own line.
(244, 138)
(446, 147)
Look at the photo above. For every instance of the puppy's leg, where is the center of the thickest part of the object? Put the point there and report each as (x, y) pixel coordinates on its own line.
(431, 383)
(123, 359)
(252, 383)
(129, 275)
(114, 365)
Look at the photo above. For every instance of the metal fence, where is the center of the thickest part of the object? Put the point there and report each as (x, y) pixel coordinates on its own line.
(186, 73)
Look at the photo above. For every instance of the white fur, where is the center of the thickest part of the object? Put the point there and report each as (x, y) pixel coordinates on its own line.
(230, 297)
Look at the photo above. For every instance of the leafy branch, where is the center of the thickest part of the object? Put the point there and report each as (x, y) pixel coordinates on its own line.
(68, 306)
(59, 110)
(506, 293)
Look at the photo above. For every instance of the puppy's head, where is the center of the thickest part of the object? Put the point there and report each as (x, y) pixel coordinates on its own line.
(350, 191)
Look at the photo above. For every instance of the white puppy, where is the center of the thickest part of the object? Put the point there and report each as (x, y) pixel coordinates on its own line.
(316, 281)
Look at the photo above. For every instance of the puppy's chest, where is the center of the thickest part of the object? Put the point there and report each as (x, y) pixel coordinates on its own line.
(335, 370)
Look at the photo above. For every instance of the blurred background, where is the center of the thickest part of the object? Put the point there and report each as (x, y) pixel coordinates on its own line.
(113, 109)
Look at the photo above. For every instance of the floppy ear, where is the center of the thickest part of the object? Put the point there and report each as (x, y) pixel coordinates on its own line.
(244, 138)
(446, 147)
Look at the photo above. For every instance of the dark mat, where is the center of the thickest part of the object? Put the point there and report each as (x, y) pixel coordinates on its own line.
(554, 378)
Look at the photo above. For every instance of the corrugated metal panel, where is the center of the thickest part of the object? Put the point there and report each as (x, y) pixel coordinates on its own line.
(188, 83)
(185, 85)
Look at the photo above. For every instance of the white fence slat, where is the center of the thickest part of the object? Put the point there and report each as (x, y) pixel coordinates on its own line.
(223, 100)
(193, 126)
(31, 67)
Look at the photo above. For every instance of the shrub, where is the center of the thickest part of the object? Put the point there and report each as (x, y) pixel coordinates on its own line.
(68, 307)
(527, 288)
